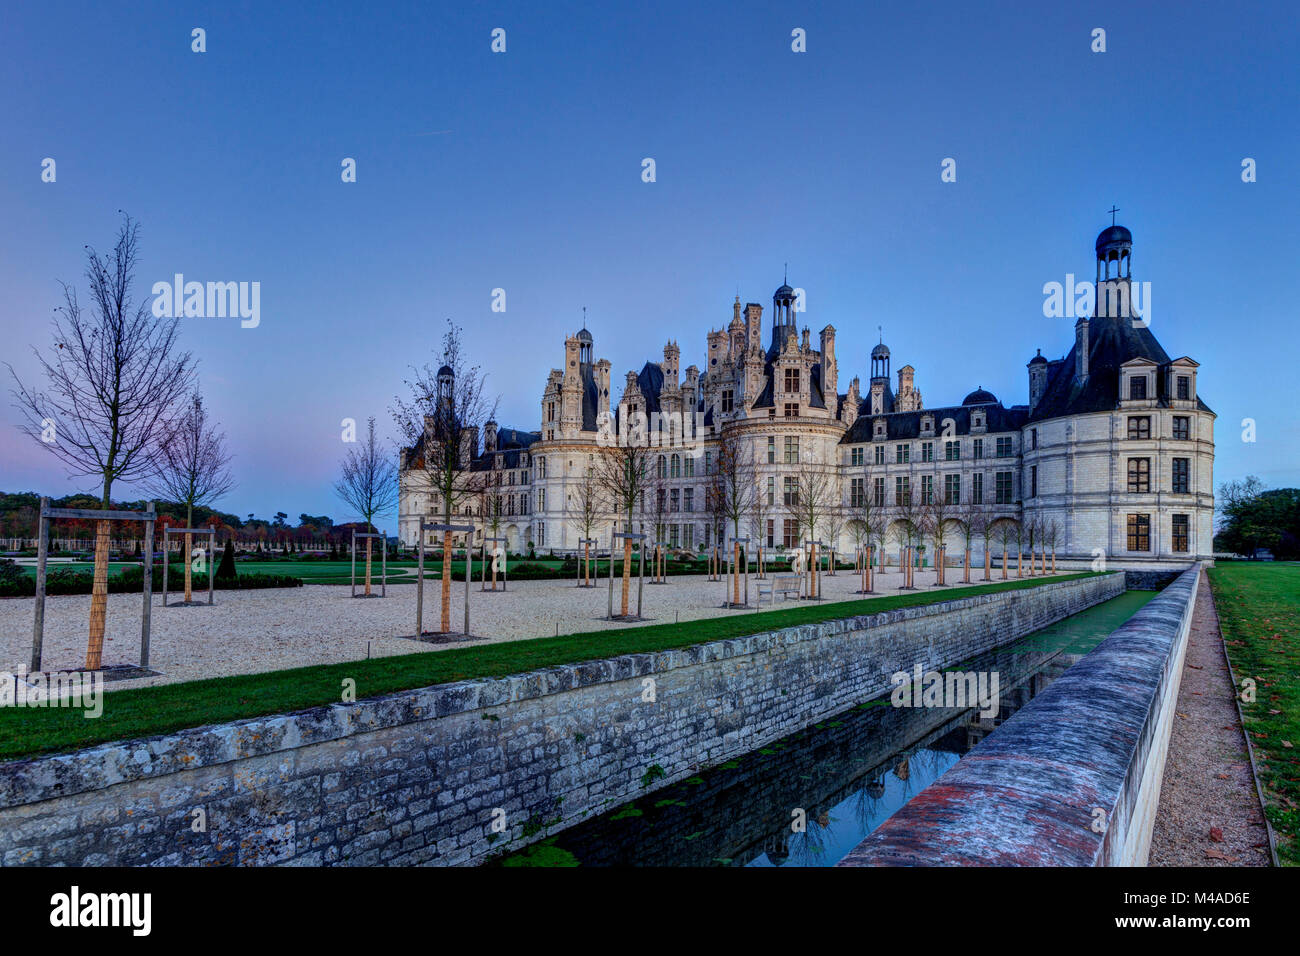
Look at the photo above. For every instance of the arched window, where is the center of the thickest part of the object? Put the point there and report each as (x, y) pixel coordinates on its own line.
(677, 466)
(661, 467)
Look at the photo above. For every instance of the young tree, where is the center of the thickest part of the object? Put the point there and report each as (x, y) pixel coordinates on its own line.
(935, 515)
(760, 511)
(367, 484)
(439, 425)
(733, 485)
(193, 469)
(623, 473)
(814, 498)
(115, 377)
(587, 508)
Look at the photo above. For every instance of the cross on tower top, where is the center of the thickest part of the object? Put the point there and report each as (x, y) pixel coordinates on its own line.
(1112, 210)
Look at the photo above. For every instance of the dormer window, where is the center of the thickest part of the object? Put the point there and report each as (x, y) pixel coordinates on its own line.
(1137, 388)
(1184, 388)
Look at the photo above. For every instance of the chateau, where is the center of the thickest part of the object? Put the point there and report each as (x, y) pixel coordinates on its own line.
(1113, 451)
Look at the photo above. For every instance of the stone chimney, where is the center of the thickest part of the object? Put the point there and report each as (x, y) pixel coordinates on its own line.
(1081, 346)
(490, 436)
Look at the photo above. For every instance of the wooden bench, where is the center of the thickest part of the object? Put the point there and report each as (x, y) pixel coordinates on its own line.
(783, 584)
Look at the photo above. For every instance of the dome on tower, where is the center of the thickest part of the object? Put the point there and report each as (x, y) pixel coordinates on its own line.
(785, 292)
(446, 372)
(980, 397)
(880, 351)
(1113, 236)
(1038, 359)
(584, 336)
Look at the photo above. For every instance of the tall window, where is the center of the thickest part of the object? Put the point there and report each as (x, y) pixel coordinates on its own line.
(690, 466)
(1139, 475)
(952, 488)
(952, 450)
(792, 449)
(977, 488)
(902, 490)
(1003, 487)
(857, 492)
(1184, 388)
(771, 531)
(791, 410)
(880, 455)
(688, 537)
(792, 380)
(790, 492)
(927, 489)
(1137, 391)
(728, 401)
(1004, 447)
(1181, 535)
(771, 490)
(855, 456)
(1033, 438)
(771, 449)
(977, 448)
(675, 469)
(879, 490)
(789, 533)
(541, 468)
(1182, 428)
(674, 501)
(1033, 481)
(661, 467)
(1139, 532)
(902, 454)
(1139, 426)
(1182, 476)
(927, 451)
(688, 499)
(541, 499)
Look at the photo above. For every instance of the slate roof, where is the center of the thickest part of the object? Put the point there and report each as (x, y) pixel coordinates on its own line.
(905, 425)
(1111, 343)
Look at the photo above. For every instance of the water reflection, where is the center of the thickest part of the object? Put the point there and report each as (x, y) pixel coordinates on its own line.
(810, 798)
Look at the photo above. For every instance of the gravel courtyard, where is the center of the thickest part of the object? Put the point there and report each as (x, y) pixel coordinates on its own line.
(250, 631)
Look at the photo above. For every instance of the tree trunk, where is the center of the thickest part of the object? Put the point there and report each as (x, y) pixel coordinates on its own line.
(368, 543)
(586, 563)
(735, 572)
(98, 598)
(966, 575)
(988, 562)
(627, 572)
(446, 582)
(1004, 562)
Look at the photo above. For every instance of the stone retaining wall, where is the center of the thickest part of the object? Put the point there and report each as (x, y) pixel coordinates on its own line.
(420, 776)
(1073, 779)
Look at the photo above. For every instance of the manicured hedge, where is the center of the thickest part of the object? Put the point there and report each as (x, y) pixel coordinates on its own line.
(131, 581)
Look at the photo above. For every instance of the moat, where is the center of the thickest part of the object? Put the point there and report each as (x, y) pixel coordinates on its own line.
(841, 777)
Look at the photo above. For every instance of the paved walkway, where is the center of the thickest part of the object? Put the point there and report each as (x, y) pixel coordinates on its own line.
(1209, 811)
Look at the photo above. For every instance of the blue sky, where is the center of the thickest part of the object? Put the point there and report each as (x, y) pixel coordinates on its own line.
(522, 171)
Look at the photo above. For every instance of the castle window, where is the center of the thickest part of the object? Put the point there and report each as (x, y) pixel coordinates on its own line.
(672, 536)
(1139, 475)
(927, 425)
(1004, 447)
(690, 466)
(879, 492)
(541, 467)
(789, 533)
(1182, 428)
(771, 449)
(792, 449)
(674, 500)
(880, 454)
(1033, 481)
(1184, 388)
(791, 410)
(952, 450)
(855, 456)
(952, 489)
(927, 489)
(902, 454)
(676, 466)
(977, 489)
(857, 493)
(977, 448)
(1181, 534)
(1033, 438)
(1139, 426)
(541, 499)
(771, 531)
(1137, 391)
(728, 401)
(688, 499)
(771, 490)
(661, 467)
(1139, 532)
(1003, 487)
(550, 411)
(790, 492)
(902, 490)
(927, 451)
(688, 536)
(792, 380)
(1182, 476)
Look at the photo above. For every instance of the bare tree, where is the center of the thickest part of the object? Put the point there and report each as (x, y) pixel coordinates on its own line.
(623, 473)
(760, 511)
(368, 485)
(115, 377)
(193, 470)
(587, 507)
(935, 513)
(733, 485)
(814, 497)
(979, 523)
(440, 424)
(1008, 531)
(1051, 532)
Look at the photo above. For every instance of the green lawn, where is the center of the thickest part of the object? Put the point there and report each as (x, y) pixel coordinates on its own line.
(155, 710)
(1259, 614)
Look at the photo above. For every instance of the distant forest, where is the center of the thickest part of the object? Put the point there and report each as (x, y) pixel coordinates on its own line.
(19, 513)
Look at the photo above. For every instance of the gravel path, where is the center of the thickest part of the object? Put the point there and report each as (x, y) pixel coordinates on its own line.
(1209, 812)
(251, 631)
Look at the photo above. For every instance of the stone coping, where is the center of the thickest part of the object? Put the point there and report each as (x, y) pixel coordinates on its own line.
(30, 780)
(1027, 796)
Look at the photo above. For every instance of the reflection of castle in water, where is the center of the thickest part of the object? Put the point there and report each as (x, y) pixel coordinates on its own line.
(841, 768)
